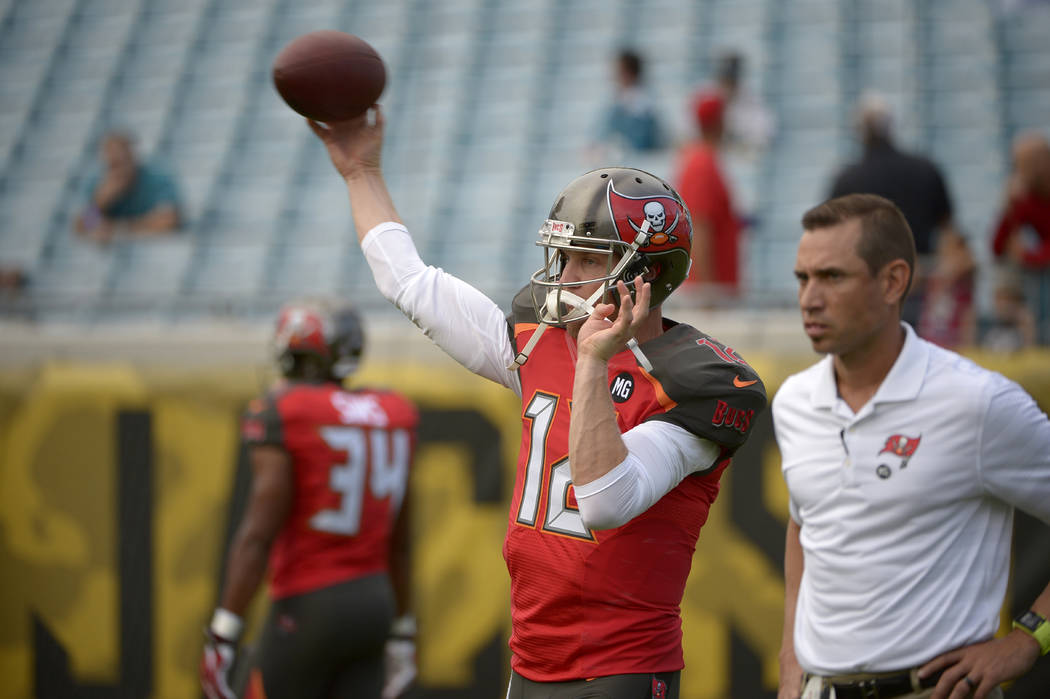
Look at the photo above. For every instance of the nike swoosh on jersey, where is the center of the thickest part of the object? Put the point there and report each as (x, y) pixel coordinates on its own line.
(743, 384)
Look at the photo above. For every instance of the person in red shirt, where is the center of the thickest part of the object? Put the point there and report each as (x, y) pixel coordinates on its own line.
(327, 518)
(704, 188)
(629, 418)
(1028, 209)
(948, 318)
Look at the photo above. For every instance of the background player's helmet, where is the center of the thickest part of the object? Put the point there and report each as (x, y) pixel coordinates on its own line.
(604, 211)
(325, 334)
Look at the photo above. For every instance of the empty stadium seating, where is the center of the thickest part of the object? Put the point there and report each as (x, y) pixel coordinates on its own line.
(491, 105)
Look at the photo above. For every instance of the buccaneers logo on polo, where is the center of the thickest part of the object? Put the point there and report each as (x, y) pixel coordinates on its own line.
(662, 213)
(899, 445)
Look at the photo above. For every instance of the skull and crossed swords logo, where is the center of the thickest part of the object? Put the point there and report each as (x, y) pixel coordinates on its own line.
(656, 215)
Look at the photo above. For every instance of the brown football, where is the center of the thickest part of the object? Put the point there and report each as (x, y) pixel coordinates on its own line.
(329, 75)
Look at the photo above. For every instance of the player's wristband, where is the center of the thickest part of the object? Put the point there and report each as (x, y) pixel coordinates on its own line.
(1036, 626)
(226, 625)
(403, 627)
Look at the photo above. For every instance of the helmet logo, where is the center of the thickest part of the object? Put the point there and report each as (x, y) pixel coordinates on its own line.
(655, 214)
(300, 330)
(630, 212)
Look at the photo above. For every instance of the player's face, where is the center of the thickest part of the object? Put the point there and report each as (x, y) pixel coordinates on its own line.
(582, 267)
(577, 272)
(841, 300)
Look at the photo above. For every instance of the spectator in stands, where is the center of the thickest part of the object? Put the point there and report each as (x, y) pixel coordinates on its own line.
(1022, 235)
(1012, 326)
(749, 125)
(705, 190)
(631, 122)
(912, 182)
(127, 195)
(948, 317)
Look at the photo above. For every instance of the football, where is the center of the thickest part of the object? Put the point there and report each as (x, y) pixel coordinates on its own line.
(329, 75)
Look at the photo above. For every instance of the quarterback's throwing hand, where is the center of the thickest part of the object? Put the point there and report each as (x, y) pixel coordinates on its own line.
(353, 145)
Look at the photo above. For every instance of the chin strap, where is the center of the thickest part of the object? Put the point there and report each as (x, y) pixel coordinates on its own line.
(571, 299)
(643, 361)
(523, 356)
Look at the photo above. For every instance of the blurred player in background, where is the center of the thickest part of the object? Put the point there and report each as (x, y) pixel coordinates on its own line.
(327, 515)
(629, 419)
(904, 463)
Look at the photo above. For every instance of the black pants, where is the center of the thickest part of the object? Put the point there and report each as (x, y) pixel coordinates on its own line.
(327, 643)
(660, 685)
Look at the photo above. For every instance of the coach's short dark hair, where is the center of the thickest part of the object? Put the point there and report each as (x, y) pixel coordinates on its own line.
(885, 235)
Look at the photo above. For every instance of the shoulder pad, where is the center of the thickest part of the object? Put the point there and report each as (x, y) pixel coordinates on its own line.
(716, 394)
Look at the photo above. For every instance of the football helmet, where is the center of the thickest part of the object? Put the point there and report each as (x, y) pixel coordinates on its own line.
(634, 218)
(329, 331)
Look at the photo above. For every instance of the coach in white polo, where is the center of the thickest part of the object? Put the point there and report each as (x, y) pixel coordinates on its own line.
(904, 463)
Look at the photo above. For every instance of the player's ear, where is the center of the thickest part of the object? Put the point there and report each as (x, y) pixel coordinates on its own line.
(895, 277)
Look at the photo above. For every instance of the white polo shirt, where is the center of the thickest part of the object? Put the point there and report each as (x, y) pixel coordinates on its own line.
(906, 507)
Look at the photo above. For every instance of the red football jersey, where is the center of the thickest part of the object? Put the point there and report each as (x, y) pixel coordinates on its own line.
(351, 452)
(596, 603)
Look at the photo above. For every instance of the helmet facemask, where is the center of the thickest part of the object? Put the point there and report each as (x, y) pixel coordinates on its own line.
(633, 218)
(555, 302)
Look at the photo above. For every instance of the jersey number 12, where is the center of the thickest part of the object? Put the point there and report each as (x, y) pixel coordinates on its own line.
(560, 517)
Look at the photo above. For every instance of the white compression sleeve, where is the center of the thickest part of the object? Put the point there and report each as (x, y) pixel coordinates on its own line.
(659, 456)
(465, 323)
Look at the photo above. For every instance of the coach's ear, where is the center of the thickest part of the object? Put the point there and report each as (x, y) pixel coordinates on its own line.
(895, 278)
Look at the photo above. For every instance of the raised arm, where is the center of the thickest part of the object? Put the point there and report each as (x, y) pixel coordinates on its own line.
(465, 323)
(355, 147)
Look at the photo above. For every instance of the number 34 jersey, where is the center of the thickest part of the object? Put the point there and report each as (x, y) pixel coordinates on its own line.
(350, 451)
(589, 603)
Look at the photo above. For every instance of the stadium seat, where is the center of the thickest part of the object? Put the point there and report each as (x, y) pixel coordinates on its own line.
(304, 269)
(151, 271)
(227, 270)
(76, 271)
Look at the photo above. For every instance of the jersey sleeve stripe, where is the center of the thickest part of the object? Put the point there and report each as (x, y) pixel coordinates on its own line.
(665, 400)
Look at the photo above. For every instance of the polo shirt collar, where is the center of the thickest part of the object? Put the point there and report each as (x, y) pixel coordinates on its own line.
(902, 383)
(826, 392)
(907, 374)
